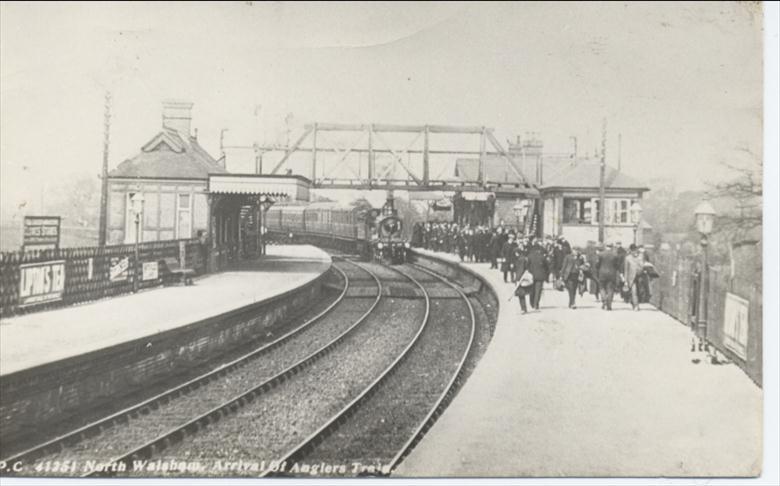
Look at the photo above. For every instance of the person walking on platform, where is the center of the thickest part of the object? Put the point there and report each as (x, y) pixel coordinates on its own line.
(494, 248)
(592, 259)
(607, 271)
(621, 253)
(632, 269)
(525, 280)
(507, 255)
(571, 270)
(539, 269)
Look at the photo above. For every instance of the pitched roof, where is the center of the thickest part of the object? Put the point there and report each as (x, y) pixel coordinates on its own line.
(497, 169)
(557, 171)
(170, 154)
(586, 174)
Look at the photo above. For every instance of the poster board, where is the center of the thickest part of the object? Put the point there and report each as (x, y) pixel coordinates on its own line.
(735, 324)
(41, 233)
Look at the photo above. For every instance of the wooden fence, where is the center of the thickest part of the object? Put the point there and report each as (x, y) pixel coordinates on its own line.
(90, 273)
(736, 333)
(738, 336)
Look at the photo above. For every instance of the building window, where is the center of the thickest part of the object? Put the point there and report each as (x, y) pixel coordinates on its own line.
(130, 228)
(184, 217)
(617, 211)
(577, 210)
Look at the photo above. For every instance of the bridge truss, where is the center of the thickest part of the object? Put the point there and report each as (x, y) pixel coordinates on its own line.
(392, 157)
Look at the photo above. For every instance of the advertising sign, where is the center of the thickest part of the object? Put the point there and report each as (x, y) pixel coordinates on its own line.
(41, 282)
(41, 233)
(735, 324)
(150, 271)
(118, 270)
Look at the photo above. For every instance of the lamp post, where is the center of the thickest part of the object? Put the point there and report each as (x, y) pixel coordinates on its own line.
(705, 217)
(265, 204)
(137, 206)
(520, 209)
(636, 218)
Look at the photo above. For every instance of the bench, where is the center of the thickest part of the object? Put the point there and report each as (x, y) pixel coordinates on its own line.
(171, 266)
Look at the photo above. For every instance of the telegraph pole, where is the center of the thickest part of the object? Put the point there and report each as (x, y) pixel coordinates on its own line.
(104, 174)
(620, 150)
(602, 174)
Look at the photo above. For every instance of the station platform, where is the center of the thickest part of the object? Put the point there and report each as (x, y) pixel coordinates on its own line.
(35, 339)
(586, 392)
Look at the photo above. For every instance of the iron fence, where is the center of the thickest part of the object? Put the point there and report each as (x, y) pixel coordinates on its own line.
(90, 273)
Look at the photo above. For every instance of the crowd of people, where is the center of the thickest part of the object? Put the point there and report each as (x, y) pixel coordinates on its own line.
(529, 261)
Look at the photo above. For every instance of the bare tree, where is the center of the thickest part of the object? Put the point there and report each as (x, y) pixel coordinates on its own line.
(745, 191)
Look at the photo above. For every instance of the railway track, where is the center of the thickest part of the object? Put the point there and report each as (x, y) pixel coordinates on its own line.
(373, 433)
(358, 393)
(250, 442)
(152, 423)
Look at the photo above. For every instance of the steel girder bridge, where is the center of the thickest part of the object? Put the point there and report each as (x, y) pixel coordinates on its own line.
(393, 157)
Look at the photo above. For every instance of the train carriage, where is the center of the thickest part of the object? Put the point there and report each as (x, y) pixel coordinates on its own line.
(324, 218)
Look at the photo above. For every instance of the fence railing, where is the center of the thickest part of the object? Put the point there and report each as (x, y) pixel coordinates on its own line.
(734, 306)
(38, 280)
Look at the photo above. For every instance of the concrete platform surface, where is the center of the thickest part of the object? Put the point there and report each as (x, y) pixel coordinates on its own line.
(43, 337)
(586, 392)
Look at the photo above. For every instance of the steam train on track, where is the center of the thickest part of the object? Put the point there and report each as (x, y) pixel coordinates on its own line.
(380, 228)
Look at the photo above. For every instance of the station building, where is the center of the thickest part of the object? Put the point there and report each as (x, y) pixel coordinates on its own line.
(567, 203)
(186, 193)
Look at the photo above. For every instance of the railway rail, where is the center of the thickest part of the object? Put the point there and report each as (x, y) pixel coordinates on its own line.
(374, 432)
(141, 423)
(269, 428)
(393, 369)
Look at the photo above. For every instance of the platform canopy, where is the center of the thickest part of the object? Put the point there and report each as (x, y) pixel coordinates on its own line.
(287, 187)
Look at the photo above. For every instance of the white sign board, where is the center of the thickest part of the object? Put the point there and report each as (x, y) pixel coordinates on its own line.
(41, 282)
(735, 324)
(118, 270)
(150, 271)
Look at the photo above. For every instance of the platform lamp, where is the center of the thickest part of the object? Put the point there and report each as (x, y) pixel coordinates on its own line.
(137, 207)
(521, 210)
(636, 218)
(265, 204)
(705, 217)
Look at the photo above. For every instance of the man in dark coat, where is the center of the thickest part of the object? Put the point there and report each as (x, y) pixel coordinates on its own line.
(592, 271)
(557, 259)
(494, 248)
(607, 271)
(521, 265)
(570, 274)
(537, 265)
(621, 253)
(507, 254)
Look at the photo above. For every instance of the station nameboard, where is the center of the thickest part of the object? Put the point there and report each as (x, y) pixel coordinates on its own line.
(41, 282)
(41, 233)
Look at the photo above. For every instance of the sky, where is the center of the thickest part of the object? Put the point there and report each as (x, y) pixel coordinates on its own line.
(681, 83)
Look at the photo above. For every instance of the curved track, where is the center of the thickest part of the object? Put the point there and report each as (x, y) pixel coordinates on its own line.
(160, 420)
(373, 433)
(363, 383)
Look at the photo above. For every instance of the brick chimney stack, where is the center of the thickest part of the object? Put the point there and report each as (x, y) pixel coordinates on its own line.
(177, 115)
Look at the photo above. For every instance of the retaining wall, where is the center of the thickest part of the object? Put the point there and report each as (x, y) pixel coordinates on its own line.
(34, 398)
